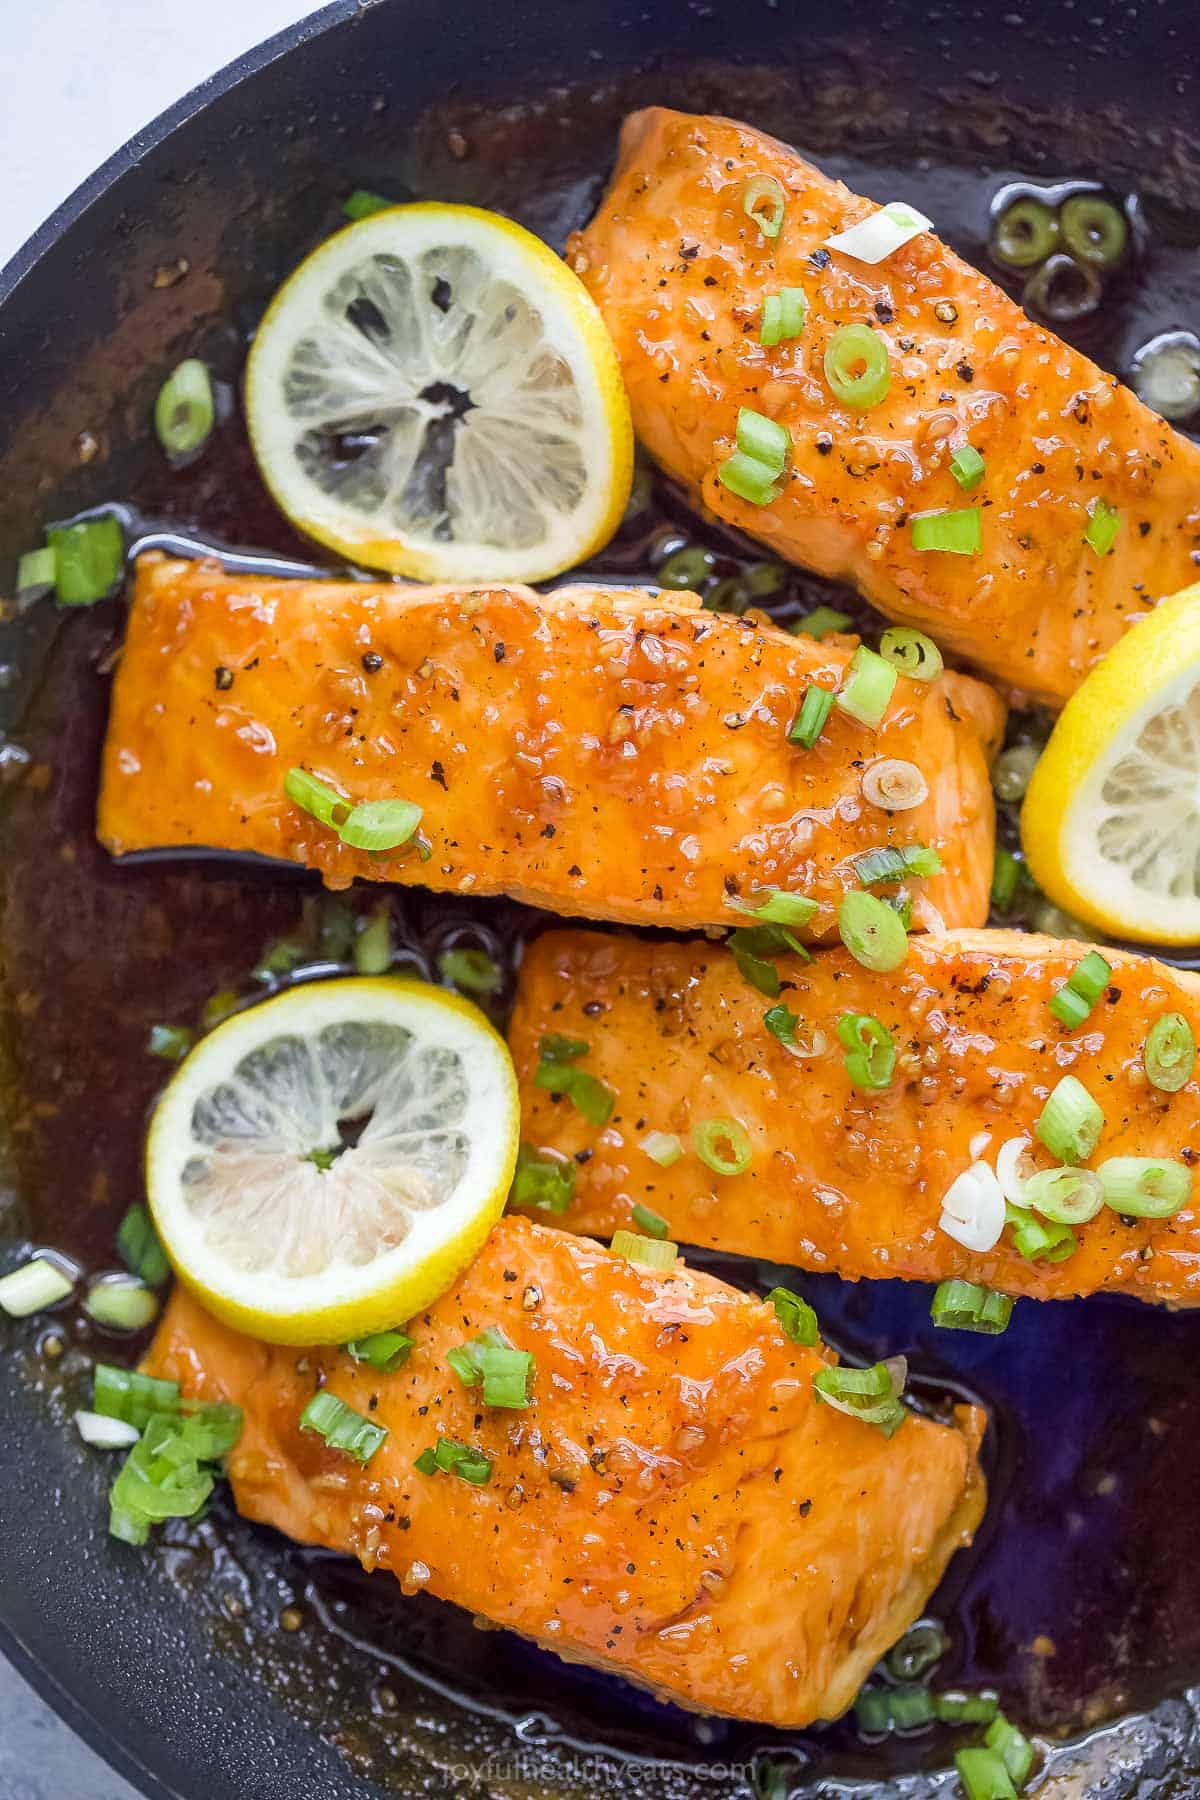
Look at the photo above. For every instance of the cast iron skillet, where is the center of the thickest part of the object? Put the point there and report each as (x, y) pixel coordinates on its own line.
(174, 1665)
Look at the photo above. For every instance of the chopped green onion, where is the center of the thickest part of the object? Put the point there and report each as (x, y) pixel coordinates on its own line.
(957, 1707)
(1070, 1123)
(1025, 233)
(652, 1223)
(589, 1096)
(207, 1431)
(1069, 1008)
(103, 1433)
(1012, 770)
(781, 1022)
(812, 717)
(872, 1711)
(983, 1775)
(872, 931)
(543, 1181)
(373, 945)
(386, 1351)
(1073, 1003)
(185, 409)
(650, 1253)
(870, 1050)
(88, 559)
(856, 367)
(140, 1249)
(919, 1650)
(779, 908)
(161, 1478)
(1068, 1196)
(473, 971)
(504, 1371)
(33, 1287)
(896, 864)
(723, 1145)
(1006, 873)
(752, 947)
(128, 1394)
(749, 479)
(820, 622)
(315, 797)
(1037, 1240)
(880, 233)
(958, 533)
(219, 1006)
(762, 439)
(36, 573)
(554, 1047)
(763, 202)
(362, 203)
(341, 1427)
(783, 316)
(121, 1303)
(1102, 527)
(914, 654)
(796, 1316)
(963, 1306)
(336, 928)
(967, 467)
(662, 1147)
(872, 1395)
(450, 1458)
(380, 824)
(1169, 1053)
(1012, 1747)
(690, 567)
(1145, 1187)
(1094, 230)
(869, 687)
(279, 958)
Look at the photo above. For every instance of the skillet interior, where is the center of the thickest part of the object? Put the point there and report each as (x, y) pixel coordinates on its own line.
(223, 1703)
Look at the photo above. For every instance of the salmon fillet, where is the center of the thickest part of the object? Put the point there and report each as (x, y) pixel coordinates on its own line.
(674, 1506)
(843, 1180)
(680, 273)
(593, 751)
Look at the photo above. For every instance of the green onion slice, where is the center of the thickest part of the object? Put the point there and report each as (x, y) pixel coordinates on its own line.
(753, 946)
(315, 797)
(957, 1707)
(341, 1427)
(957, 533)
(471, 971)
(386, 1351)
(881, 233)
(872, 932)
(983, 1775)
(763, 201)
(856, 367)
(967, 467)
(919, 1650)
(1073, 1002)
(749, 479)
(812, 717)
(964, 1306)
(373, 945)
(872, 1395)
(1170, 1053)
(1070, 1123)
(161, 1478)
(896, 864)
(783, 316)
(870, 1050)
(33, 1287)
(662, 1147)
(1102, 527)
(589, 1096)
(128, 1394)
(781, 1022)
(796, 1317)
(362, 203)
(89, 557)
(105, 1434)
(185, 409)
(1068, 1196)
(546, 1182)
(1145, 1187)
(380, 824)
(914, 654)
(869, 686)
(1094, 230)
(820, 622)
(554, 1047)
(723, 1145)
(762, 439)
(140, 1249)
(779, 908)
(690, 567)
(1006, 873)
(1025, 233)
(650, 1222)
(1012, 770)
(447, 1457)
(491, 1362)
(36, 574)
(1012, 1747)
(1037, 1240)
(648, 1252)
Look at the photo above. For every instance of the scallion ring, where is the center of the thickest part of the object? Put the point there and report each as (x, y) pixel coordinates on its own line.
(957, 532)
(33, 1287)
(1024, 234)
(764, 202)
(723, 1145)
(965, 1306)
(1169, 1053)
(894, 785)
(1145, 1187)
(1013, 770)
(867, 691)
(967, 467)
(872, 932)
(379, 825)
(662, 1147)
(1094, 230)
(914, 654)
(812, 717)
(1063, 290)
(185, 409)
(1067, 1196)
(1070, 1123)
(647, 1252)
(856, 367)
(1102, 527)
(870, 1050)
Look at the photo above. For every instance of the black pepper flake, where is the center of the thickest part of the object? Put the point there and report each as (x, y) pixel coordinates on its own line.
(372, 662)
(498, 652)
(710, 281)
(804, 1508)
(438, 774)
(964, 371)
(883, 312)
(824, 443)
(575, 870)
(1143, 528)
(547, 831)
(593, 1008)
(510, 1274)
(222, 678)
(584, 1156)
(819, 258)
(688, 251)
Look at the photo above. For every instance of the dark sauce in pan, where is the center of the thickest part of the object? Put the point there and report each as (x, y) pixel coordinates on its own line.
(1081, 1598)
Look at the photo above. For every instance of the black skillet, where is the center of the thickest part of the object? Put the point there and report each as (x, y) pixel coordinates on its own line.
(176, 1665)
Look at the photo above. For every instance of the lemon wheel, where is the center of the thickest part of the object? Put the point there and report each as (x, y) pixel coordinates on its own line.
(434, 392)
(325, 1164)
(1111, 819)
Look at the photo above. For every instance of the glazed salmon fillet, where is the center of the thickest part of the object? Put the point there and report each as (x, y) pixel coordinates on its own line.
(594, 751)
(840, 1179)
(674, 1506)
(680, 273)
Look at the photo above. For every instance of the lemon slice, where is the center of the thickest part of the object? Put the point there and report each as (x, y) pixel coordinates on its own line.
(1111, 820)
(325, 1164)
(434, 392)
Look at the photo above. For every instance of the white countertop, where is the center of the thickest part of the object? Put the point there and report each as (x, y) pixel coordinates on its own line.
(78, 77)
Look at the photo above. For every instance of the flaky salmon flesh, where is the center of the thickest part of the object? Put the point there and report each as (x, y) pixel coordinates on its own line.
(593, 751)
(842, 1179)
(680, 273)
(674, 1505)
